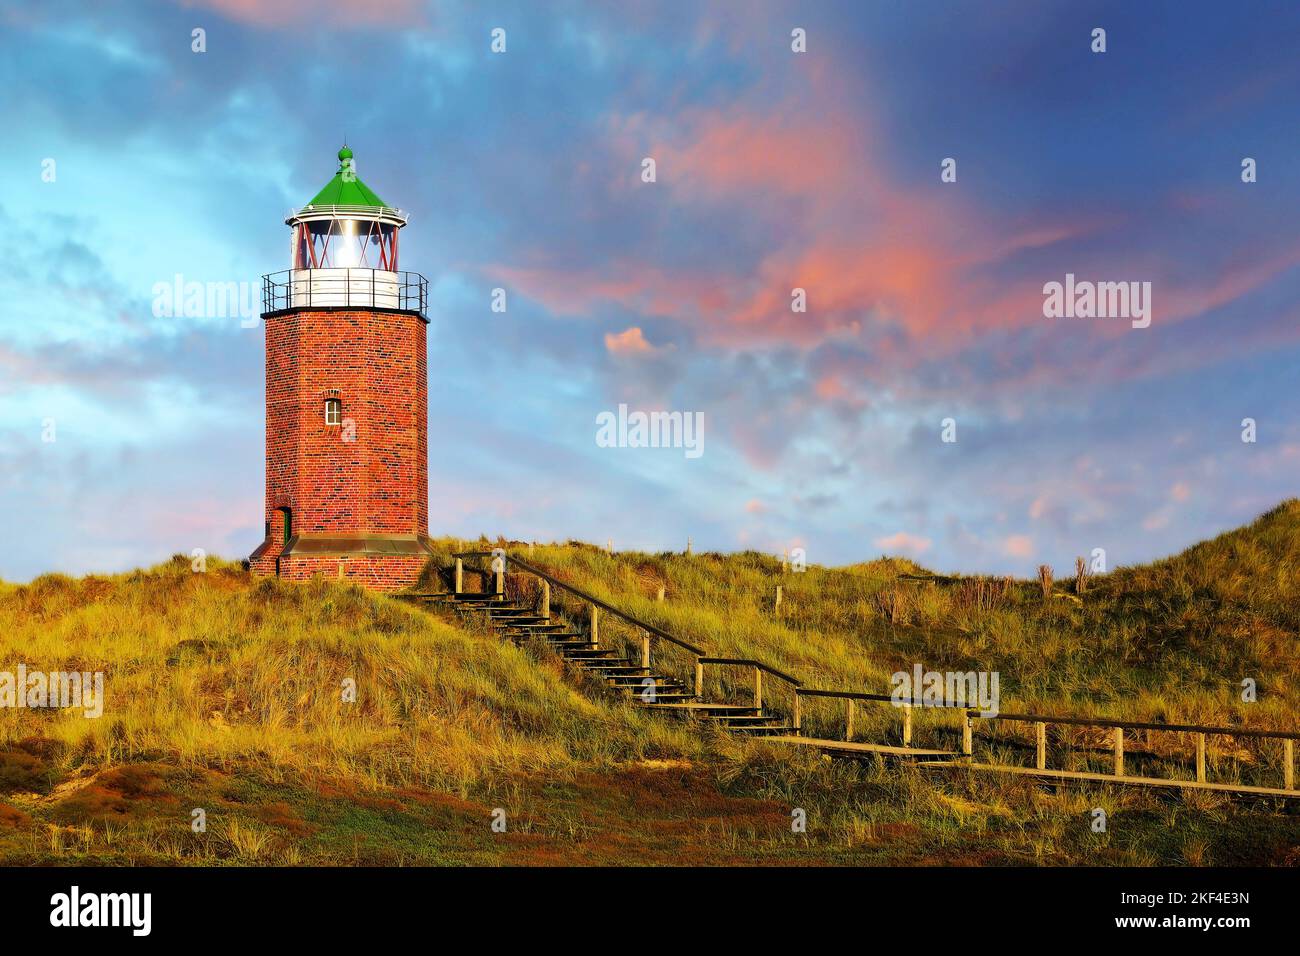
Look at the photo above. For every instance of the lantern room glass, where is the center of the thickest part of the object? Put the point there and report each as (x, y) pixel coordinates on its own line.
(342, 243)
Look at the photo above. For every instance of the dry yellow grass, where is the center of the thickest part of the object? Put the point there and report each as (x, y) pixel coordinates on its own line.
(1171, 641)
(216, 669)
(227, 692)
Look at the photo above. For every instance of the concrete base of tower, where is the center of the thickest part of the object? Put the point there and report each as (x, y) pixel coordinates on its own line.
(380, 562)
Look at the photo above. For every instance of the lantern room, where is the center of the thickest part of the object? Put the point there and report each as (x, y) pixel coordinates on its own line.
(343, 251)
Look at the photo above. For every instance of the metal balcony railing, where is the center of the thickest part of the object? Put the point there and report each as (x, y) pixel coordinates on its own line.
(345, 288)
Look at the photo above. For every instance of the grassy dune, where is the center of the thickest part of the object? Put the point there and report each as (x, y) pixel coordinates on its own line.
(220, 674)
(225, 693)
(1169, 641)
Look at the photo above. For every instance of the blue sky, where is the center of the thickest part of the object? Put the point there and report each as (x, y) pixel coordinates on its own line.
(774, 170)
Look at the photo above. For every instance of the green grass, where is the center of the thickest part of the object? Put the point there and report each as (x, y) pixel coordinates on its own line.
(224, 692)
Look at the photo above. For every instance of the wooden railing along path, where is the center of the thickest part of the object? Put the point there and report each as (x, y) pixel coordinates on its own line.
(926, 757)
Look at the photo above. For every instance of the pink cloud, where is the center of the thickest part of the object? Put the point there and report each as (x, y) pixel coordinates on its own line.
(630, 341)
(281, 13)
(1018, 546)
(829, 387)
(904, 541)
(1155, 522)
(925, 272)
(570, 291)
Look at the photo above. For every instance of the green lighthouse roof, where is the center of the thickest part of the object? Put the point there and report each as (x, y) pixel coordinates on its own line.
(345, 189)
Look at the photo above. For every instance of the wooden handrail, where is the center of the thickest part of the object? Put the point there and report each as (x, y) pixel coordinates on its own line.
(1050, 719)
(591, 599)
(747, 662)
(1142, 725)
(884, 698)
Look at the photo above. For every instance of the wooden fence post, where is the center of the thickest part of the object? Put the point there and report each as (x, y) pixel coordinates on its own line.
(798, 711)
(595, 628)
(546, 600)
(1288, 764)
(1200, 758)
(460, 576)
(699, 678)
(660, 598)
(1040, 757)
(645, 650)
(907, 725)
(776, 607)
(501, 586)
(849, 713)
(758, 689)
(967, 735)
(1119, 751)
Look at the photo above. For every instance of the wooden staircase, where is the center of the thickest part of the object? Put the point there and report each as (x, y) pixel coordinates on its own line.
(655, 688)
(643, 685)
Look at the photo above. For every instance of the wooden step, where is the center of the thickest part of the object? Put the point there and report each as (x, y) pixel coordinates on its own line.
(638, 679)
(762, 730)
(703, 706)
(638, 684)
(861, 747)
(660, 693)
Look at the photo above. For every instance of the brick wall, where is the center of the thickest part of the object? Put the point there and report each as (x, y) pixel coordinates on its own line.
(379, 573)
(375, 363)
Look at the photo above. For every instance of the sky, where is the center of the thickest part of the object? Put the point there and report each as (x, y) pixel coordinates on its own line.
(128, 158)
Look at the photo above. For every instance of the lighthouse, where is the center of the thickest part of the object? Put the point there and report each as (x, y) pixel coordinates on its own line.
(347, 451)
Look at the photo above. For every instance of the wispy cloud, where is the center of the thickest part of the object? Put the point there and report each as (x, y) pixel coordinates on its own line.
(775, 172)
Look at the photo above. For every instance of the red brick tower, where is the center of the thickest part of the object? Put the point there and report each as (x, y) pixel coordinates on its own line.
(347, 405)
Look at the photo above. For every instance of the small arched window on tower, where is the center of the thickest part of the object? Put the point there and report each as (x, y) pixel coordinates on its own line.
(333, 411)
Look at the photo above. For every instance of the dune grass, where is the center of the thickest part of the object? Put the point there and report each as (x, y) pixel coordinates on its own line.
(216, 667)
(220, 673)
(1168, 641)
(225, 693)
